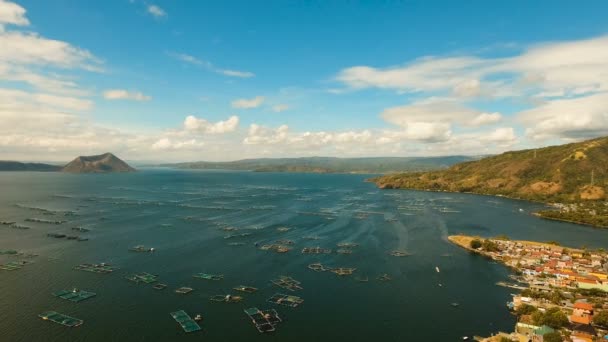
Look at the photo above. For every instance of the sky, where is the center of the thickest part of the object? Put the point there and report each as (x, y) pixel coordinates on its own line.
(169, 80)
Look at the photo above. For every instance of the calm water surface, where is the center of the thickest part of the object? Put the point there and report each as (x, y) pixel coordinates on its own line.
(181, 214)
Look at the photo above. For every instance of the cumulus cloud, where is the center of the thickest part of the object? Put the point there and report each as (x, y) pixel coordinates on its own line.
(12, 14)
(209, 66)
(156, 11)
(575, 118)
(121, 94)
(280, 108)
(248, 103)
(486, 118)
(168, 144)
(194, 124)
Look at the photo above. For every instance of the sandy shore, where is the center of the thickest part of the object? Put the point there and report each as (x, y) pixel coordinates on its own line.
(464, 241)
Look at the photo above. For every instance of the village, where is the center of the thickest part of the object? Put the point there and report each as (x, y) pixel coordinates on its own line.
(563, 291)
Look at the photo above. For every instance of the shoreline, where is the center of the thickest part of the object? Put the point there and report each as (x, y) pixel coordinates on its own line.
(537, 214)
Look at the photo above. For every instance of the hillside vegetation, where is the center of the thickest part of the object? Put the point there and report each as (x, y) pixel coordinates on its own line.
(574, 174)
(329, 164)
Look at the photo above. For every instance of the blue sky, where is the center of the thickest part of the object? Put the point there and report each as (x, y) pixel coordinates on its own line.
(160, 80)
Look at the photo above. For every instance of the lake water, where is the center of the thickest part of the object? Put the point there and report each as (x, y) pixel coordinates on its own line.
(181, 213)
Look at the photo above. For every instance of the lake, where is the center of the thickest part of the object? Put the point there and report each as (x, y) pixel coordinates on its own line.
(186, 215)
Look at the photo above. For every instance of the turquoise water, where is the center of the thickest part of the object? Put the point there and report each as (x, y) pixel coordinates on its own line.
(150, 208)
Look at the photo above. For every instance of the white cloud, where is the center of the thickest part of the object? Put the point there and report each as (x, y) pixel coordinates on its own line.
(280, 108)
(12, 14)
(209, 66)
(571, 67)
(156, 11)
(263, 135)
(248, 103)
(121, 94)
(19, 48)
(168, 144)
(194, 124)
(575, 118)
(236, 73)
(486, 118)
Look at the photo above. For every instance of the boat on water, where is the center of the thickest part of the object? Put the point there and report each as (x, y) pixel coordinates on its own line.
(198, 318)
(437, 269)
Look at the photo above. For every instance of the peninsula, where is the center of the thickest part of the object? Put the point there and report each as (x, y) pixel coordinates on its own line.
(572, 177)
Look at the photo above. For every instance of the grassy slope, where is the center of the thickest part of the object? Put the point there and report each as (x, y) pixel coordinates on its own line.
(556, 174)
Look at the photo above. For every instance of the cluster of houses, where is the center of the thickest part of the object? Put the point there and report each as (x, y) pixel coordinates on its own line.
(549, 269)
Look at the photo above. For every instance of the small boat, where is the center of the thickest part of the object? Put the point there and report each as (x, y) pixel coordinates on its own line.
(198, 318)
(454, 304)
(465, 338)
(437, 269)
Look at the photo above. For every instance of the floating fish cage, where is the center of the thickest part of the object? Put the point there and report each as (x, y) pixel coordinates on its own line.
(226, 298)
(287, 283)
(61, 319)
(399, 253)
(159, 286)
(286, 300)
(347, 245)
(265, 321)
(143, 277)
(283, 229)
(141, 249)
(14, 265)
(362, 279)
(343, 271)
(246, 289)
(284, 242)
(275, 248)
(185, 321)
(344, 251)
(74, 295)
(184, 290)
(208, 276)
(318, 267)
(385, 277)
(96, 268)
(315, 250)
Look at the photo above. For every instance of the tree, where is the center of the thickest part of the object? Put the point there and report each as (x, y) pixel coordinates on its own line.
(601, 318)
(525, 309)
(552, 337)
(505, 339)
(555, 318)
(475, 244)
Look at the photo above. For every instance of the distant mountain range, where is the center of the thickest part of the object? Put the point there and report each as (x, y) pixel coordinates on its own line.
(18, 166)
(103, 163)
(575, 174)
(329, 164)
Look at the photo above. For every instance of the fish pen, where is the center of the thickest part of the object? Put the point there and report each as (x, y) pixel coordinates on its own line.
(14, 265)
(275, 248)
(184, 290)
(96, 268)
(207, 276)
(399, 253)
(315, 250)
(344, 251)
(226, 298)
(347, 245)
(246, 289)
(61, 319)
(141, 249)
(185, 321)
(318, 267)
(385, 277)
(286, 300)
(343, 271)
(159, 286)
(265, 321)
(74, 295)
(287, 283)
(143, 277)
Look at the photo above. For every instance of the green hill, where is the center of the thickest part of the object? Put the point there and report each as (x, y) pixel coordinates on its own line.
(329, 164)
(575, 174)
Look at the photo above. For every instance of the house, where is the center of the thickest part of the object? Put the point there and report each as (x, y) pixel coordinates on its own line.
(582, 313)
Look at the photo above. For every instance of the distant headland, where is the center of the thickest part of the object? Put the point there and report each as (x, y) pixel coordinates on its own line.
(102, 163)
